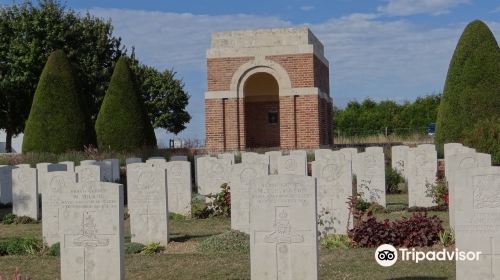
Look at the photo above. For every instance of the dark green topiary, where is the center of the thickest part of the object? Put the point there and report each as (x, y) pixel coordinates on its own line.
(56, 122)
(472, 89)
(121, 124)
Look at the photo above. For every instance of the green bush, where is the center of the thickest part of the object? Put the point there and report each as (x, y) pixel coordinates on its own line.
(227, 242)
(23, 246)
(120, 124)
(176, 217)
(221, 204)
(472, 88)
(133, 248)
(392, 180)
(56, 122)
(485, 137)
(22, 220)
(152, 248)
(55, 250)
(335, 241)
(200, 210)
(9, 219)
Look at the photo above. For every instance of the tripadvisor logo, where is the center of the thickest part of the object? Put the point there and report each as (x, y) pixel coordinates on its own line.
(387, 255)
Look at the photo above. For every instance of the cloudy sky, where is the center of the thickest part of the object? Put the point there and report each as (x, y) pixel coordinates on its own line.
(383, 49)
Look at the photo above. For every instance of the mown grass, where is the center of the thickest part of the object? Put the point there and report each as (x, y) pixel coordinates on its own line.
(181, 260)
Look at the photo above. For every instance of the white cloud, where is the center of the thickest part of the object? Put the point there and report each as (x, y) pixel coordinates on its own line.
(307, 8)
(497, 10)
(383, 59)
(412, 7)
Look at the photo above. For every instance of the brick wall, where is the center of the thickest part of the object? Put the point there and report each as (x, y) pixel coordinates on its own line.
(304, 121)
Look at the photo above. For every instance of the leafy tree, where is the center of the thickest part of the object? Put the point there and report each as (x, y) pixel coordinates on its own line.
(372, 118)
(164, 97)
(56, 122)
(29, 33)
(121, 123)
(472, 88)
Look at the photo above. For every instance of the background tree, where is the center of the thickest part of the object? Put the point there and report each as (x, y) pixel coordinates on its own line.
(472, 89)
(372, 118)
(163, 95)
(29, 34)
(120, 124)
(56, 122)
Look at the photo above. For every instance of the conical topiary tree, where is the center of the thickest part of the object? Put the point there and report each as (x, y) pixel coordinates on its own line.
(120, 124)
(472, 88)
(56, 122)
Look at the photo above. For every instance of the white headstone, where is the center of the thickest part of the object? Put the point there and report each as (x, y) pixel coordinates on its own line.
(106, 170)
(273, 161)
(91, 231)
(147, 203)
(458, 163)
(371, 176)
(195, 158)
(25, 192)
(291, 165)
(283, 228)
(212, 173)
(70, 166)
(43, 168)
(477, 227)
(301, 154)
(334, 180)
(374, 149)
(421, 172)
(89, 162)
(25, 165)
(115, 169)
(57, 182)
(133, 160)
(179, 187)
(88, 173)
(322, 154)
(156, 160)
(5, 184)
(452, 149)
(350, 154)
(399, 159)
(229, 156)
(242, 175)
(251, 157)
(178, 158)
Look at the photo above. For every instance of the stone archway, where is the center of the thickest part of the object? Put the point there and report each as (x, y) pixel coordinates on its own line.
(261, 105)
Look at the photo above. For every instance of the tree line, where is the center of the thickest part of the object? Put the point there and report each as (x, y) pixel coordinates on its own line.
(369, 117)
(30, 32)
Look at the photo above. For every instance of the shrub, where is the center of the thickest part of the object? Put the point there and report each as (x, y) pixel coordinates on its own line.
(227, 242)
(176, 217)
(55, 250)
(485, 137)
(133, 248)
(446, 238)
(472, 88)
(221, 204)
(23, 246)
(152, 248)
(24, 220)
(56, 123)
(9, 219)
(438, 192)
(416, 231)
(392, 180)
(120, 124)
(200, 210)
(335, 241)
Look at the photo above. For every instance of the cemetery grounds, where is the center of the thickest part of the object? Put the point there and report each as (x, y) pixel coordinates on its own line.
(228, 258)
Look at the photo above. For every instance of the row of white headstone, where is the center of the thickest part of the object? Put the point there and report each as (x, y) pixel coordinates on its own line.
(86, 215)
(474, 209)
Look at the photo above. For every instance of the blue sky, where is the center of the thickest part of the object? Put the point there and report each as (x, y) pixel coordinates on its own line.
(383, 49)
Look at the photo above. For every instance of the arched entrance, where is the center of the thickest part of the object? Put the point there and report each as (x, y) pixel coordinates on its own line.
(261, 105)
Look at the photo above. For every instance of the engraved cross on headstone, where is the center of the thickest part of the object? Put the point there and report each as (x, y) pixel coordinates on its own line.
(492, 255)
(283, 236)
(89, 240)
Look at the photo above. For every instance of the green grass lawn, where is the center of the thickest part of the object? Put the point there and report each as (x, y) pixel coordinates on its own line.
(181, 260)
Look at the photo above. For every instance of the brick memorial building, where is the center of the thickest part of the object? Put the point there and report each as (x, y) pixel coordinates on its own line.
(267, 88)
